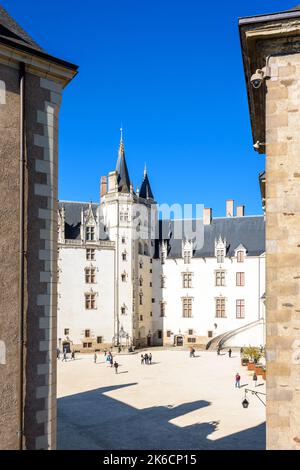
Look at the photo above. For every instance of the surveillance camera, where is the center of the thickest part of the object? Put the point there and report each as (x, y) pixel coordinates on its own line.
(257, 78)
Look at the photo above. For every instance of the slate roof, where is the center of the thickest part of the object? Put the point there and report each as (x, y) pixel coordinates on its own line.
(248, 231)
(146, 191)
(10, 28)
(13, 35)
(73, 218)
(123, 175)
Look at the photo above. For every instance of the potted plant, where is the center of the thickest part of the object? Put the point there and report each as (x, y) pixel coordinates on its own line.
(252, 354)
(258, 370)
(264, 374)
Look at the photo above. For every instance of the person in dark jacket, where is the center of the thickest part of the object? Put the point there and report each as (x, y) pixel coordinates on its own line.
(116, 365)
(150, 358)
(254, 378)
(229, 352)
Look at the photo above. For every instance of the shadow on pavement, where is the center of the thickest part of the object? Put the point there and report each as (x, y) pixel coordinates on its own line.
(93, 420)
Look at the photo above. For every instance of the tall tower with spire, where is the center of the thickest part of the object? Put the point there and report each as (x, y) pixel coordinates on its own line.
(127, 217)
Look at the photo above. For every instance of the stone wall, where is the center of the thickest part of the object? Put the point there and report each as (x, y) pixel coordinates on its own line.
(283, 252)
(9, 256)
(42, 99)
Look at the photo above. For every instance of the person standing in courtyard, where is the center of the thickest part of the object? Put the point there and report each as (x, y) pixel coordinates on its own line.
(237, 380)
(116, 365)
(146, 358)
(111, 361)
(64, 358)
(95, 358)
(241, 351)
(229, 352)
(254, 378)
(150, 358)
(73, 355)
(142, 359)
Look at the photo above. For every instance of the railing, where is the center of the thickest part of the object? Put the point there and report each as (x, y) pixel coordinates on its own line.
(219, 340)
(100, 243)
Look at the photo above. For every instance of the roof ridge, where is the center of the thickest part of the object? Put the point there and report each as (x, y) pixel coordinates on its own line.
(11, 25)
(78, 202)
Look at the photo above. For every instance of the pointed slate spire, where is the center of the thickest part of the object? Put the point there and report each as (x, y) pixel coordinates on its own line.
(145, 191)
(123, 176)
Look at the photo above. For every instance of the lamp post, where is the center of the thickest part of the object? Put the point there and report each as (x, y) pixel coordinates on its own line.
(245, 402)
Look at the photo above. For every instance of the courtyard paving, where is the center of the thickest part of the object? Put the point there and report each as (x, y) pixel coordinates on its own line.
(177, 403)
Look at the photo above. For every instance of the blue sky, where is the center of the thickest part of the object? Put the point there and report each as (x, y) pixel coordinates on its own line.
(171, 72)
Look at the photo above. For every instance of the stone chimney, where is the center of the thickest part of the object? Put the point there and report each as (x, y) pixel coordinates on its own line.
(112, 181)
(207, 216)
(229, 207)
(240, 210)
(103, 187)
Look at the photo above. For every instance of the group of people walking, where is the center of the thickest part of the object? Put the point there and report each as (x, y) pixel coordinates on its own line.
(65, 355)
(146, 358)
(110, 360)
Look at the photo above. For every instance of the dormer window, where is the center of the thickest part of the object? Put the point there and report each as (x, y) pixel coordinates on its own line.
(187, 257)
(220, 256)
(240, 256)
(90, 233)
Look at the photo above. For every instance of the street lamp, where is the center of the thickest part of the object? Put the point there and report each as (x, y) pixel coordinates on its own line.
(245, 402)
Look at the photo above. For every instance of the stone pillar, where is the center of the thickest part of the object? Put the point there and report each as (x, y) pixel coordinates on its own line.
(283, 252)
(272, 41)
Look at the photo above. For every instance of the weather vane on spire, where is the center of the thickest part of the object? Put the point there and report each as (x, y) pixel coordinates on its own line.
(145, 170)
(121, 131)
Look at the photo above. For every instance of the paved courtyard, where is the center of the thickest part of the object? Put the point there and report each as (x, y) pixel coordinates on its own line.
(178, 402)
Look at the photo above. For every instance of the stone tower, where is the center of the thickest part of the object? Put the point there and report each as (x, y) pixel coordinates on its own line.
(126, 216)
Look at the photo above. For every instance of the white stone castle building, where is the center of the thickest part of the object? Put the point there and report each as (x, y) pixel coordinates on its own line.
(126, 278)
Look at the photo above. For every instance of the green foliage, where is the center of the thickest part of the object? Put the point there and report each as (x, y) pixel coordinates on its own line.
(251, 353)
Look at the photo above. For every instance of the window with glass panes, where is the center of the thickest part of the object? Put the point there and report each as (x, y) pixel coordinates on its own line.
(220, 307)
(90, 233)
(187, 280)
(220, 278)
(162, 281)
(90, 275)
(90, 301)
(240, 308)
(187, 257)
(162, 309)
(240, 279)
(90, 254)
(220, 256)
(240, 256)
(187, 307)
